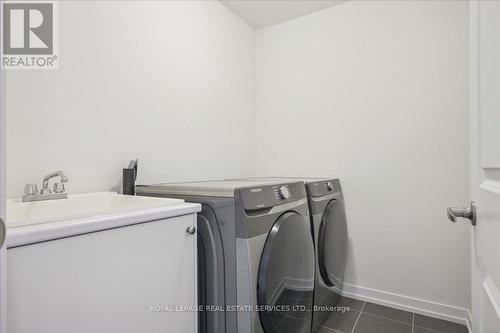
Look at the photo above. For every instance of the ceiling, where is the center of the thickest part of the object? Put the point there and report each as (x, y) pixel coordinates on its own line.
(262, 13)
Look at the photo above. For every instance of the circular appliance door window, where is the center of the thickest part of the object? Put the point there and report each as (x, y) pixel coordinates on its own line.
(332, 244)
(286, 277)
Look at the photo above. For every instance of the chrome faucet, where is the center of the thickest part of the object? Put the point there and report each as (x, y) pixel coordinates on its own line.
(59, 191)
(58, 187)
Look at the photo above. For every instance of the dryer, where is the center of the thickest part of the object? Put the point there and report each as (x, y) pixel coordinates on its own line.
(329, 227)
(329, 223)
(256, 255)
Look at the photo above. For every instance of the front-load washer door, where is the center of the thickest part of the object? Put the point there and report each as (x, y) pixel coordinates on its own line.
(286, 277)
(332, 244)
(211, 282)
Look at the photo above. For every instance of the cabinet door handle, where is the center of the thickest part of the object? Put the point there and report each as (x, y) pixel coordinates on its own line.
(191, 230)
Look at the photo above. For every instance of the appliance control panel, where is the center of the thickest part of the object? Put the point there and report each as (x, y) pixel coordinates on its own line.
(267, 196)
(323, 187)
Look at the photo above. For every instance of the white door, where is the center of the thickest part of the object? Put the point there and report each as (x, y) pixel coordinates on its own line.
(485, 164)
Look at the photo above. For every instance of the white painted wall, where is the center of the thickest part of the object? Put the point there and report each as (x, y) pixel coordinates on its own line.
(169, 82)
(376, 93)
(378, 89)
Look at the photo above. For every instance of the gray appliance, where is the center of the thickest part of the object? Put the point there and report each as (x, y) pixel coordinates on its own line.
(329, 226)
(255, 254)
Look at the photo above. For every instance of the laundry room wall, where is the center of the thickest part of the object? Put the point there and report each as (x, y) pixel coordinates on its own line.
(170, 82)
(376, 93)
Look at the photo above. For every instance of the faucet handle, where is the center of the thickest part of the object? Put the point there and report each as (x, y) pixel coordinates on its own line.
(59, 188)
(30, 189)
(46, 190)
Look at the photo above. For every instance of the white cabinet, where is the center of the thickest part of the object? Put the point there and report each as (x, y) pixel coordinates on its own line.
(134, 279)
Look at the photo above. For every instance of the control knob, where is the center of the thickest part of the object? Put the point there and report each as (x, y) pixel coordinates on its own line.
(329, 186)
(284, 192)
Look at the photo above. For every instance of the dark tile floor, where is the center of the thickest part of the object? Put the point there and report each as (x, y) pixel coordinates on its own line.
(367, 317)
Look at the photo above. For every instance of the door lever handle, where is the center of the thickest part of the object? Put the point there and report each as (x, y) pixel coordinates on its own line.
(464, 212)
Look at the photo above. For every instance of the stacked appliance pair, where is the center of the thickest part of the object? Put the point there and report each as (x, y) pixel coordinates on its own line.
(259, 267)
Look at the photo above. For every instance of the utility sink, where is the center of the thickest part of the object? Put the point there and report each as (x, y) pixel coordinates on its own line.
(20, 214)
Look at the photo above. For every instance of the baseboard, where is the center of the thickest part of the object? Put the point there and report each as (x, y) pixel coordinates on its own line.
(292, 284)
(469, 321)
(406, 303)
(277, 292)
(298, 284)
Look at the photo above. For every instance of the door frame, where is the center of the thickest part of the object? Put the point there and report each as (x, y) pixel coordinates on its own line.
(3, 252)
(474, 144)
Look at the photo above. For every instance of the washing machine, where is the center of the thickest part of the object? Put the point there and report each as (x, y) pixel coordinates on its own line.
(256, 257)
(329, 227)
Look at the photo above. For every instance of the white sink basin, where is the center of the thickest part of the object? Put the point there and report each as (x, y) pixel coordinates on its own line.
(21, 214)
